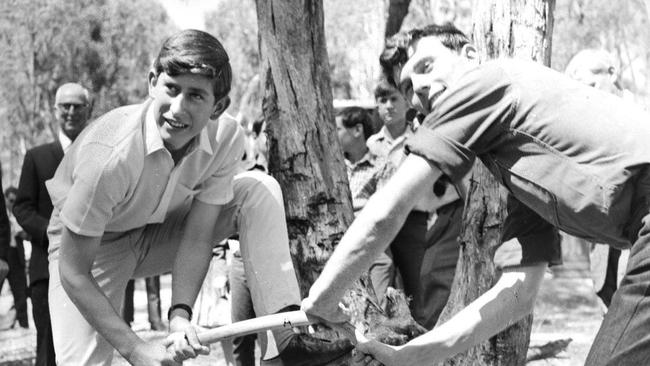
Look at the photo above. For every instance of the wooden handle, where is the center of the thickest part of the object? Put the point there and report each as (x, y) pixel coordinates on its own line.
(268, 322)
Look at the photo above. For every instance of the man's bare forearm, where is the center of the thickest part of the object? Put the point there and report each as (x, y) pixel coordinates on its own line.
(194, 253)
(77, 254)
(190, 267)
(95, 307)
(511, 298)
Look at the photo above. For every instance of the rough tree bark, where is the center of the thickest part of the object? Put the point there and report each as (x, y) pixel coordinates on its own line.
(518, 28)
(397, 11)
(305, 155)
(306, 159)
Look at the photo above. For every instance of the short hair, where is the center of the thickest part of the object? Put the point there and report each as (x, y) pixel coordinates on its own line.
(396, 47)
(600, 58)
(196, 52)
(352, 116)
(69, 85)
(10, 190)
(384, 88)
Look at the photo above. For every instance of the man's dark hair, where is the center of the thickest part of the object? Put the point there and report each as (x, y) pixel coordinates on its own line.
(196, 52)
(396, 47)
(352, 116)
(384, 88)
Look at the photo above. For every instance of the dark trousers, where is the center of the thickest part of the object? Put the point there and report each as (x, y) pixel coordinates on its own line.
(152, 285)
(40, 311)
(426, 259)
(241, 304)
(17, 279)
(624, 336)
(611, 277)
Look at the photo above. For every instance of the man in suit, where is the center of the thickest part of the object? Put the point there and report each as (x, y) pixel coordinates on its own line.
(33, 206)
(16, 260)
(5, 234)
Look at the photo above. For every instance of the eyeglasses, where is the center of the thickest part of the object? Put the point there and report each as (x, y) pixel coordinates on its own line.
(67, 106)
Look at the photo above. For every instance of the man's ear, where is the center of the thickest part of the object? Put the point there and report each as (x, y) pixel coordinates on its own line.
(358, 130)
(613, 76)
(220, 106)
(153, 79)
(469, 51)
(91, 106)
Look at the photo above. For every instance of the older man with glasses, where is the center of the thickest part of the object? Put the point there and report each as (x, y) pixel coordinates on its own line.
(33, 207)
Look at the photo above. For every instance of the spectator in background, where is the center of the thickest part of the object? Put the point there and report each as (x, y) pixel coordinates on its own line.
(16, 260)
(5, 235)
(425, 251)
(152, 285)
(392, 108)
(33, 207)
(260, 147)
(597, 68)
(354, 127)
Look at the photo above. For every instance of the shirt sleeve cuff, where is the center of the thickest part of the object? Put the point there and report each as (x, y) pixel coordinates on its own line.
(78, 229)
(217, 191)
(452, 158)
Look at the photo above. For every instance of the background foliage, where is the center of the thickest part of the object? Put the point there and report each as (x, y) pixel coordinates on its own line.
(108, 45)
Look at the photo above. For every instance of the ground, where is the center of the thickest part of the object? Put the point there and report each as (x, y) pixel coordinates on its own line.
(566, 308)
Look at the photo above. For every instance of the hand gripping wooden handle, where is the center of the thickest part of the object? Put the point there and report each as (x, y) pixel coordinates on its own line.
(268, 322)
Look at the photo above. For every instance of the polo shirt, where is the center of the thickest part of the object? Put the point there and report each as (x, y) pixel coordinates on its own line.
(571, 156)
(118, 175)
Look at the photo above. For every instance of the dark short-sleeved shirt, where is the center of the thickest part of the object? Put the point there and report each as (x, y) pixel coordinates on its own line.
(118, 175)
(572, 157)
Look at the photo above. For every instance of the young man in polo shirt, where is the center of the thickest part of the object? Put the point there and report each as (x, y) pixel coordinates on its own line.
(151, 188)
(571, 156)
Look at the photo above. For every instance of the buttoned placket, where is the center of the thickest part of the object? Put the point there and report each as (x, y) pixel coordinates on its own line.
(174, 173)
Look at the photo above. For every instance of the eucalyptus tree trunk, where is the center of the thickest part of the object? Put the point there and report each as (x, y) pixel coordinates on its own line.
(517, 28)
(397, 11)
(305, 156)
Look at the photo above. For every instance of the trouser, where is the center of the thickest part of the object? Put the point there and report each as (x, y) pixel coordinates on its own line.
(256, 213)
(44, 343)
(17, 279)
(241, 306)
(606, 291)
(426, 259)
(382, 275)
(623, 338)
(152, 285)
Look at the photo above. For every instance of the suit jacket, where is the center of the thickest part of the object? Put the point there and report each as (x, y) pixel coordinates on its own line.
(33, 205)
(5, 228)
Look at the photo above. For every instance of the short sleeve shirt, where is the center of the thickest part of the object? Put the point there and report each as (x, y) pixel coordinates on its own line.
(364, 176)
(391, 150)
(570, 154)
(118, 176)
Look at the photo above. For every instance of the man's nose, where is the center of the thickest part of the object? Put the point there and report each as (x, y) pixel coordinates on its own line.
(177, 103)
(420, 84)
